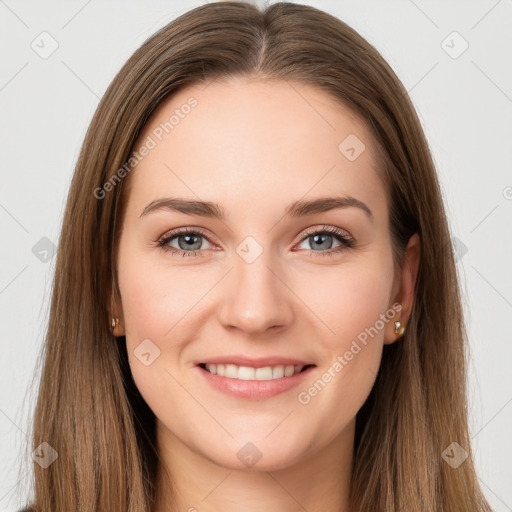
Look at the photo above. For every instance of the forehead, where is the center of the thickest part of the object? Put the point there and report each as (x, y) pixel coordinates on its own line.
(247, 140)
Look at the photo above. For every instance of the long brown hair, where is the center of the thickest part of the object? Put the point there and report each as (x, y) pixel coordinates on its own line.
(89, 409)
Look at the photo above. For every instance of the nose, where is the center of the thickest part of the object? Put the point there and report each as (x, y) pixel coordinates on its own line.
(256, 297)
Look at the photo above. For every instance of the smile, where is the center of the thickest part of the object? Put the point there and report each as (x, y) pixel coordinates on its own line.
(233, 371)
(254, 383)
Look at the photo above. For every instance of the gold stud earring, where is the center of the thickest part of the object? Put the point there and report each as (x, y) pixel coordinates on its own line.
(399, 329)
(113, 324)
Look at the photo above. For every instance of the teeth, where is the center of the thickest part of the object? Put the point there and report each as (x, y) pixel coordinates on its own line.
(247, 373)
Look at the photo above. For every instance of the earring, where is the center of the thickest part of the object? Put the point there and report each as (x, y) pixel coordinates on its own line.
(399, 329)
(113, 324)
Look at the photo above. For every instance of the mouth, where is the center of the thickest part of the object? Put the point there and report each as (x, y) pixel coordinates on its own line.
(255, 384)
(263, 373)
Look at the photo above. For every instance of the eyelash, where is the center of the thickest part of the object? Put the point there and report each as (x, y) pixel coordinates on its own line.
(347, 242)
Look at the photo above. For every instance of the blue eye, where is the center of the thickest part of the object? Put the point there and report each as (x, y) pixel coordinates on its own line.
(317, 238)
(190, 241)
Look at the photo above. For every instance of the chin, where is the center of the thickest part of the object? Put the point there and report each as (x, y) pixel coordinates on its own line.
(258, 455)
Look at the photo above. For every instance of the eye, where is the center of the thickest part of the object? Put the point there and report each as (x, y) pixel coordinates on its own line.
(189, 242)
(319, 239)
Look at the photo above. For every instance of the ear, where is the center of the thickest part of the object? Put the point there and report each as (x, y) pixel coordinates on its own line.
(403, 288)
(116, 311)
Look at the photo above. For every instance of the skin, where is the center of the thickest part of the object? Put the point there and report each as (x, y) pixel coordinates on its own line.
(254, 147)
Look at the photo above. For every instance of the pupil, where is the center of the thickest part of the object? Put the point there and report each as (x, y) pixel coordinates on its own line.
(316, 237)
(189, 242)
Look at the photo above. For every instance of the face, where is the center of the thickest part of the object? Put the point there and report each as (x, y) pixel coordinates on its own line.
(261, 286)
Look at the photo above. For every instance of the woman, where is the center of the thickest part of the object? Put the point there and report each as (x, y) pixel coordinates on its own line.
(204, 351)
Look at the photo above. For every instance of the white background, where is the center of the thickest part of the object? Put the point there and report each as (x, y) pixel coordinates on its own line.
(464, 103)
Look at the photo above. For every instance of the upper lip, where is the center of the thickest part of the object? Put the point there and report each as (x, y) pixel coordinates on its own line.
(258, 362)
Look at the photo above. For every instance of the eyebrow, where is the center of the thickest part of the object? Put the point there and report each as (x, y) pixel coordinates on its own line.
(294, 210)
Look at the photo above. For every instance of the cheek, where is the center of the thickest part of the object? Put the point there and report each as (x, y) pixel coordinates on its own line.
(154, 308)
(149, 307)
(349, 299)
(349, 303)
(154, 298)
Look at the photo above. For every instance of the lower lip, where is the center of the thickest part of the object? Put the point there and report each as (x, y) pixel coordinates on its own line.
(254, 389)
